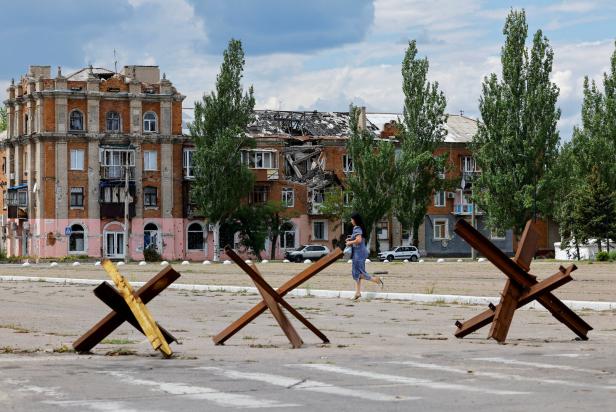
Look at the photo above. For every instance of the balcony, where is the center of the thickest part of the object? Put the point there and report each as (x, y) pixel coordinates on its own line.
(116, 172)
(17, 201)
(465, 209)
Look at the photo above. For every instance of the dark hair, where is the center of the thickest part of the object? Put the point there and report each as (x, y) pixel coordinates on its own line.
(360, 222)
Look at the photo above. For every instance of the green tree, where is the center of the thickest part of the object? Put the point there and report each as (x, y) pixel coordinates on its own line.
(276, 217)
(592, 150)
(251, 223)
(599, 207)
(336, 206)
(372, 181)
(517, 142)
(219, 134)
(3, 119)
(421, 132)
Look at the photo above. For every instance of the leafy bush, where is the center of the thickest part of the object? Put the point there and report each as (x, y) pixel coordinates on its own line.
(150, 254)
(602, 257)
(613, 256)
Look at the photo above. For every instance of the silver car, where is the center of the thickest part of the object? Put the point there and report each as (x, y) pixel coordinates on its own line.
(401, 252)
(312, 252)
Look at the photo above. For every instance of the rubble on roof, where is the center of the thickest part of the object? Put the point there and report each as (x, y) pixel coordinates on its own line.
(299, 123)
(98, 72)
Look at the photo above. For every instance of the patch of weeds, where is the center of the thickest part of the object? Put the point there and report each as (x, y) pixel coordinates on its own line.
(63, 349)
(249, 337)
(118, 342)
(263, 346)
(16, 328)
(430, 289)
(416, 334)
(121, 352)
(342, 346)
(433, 338)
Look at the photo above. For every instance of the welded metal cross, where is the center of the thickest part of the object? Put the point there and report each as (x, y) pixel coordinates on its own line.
(273, 299)
(521, 287)
(128, 305)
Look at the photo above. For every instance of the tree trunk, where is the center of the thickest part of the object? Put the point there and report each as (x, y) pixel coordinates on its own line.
(216, 234)
(577, 249)
(411, 235)
(599, 245)
(274, 240)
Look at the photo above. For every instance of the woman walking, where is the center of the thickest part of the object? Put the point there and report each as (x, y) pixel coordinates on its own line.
(359, 254)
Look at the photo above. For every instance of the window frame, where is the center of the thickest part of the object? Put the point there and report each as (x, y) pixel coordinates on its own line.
(76, 193)
(73, 159)
(285, 194)
(439, 222)
(201, 231)
(325, 229)
(147, 165)
(252, 157)
(149, 122)
(188, 162)
(147, 197)
(84, 239)
(70, 121)
(108, 119)
(346, 162)
(437, 198)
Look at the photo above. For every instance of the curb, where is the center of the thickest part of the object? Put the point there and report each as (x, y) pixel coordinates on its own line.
(321, 293)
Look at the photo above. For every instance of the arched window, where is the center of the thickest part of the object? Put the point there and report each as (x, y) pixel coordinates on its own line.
(287, 236)
(76, 240)
(149, 122)
(195, 237)
(150, 236)
(113, 122)
(75, 121)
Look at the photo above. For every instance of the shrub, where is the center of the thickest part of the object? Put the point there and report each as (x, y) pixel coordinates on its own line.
(602, 257)
(150, 254)
(613, 256)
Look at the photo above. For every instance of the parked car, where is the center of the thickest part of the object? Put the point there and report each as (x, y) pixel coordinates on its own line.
(312, 252)
(401, 252)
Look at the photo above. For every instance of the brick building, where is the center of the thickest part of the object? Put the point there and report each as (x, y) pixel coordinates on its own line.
(73, 142)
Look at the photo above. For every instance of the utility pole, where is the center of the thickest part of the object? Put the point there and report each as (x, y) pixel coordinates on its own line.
(473, 223)
(126, 209)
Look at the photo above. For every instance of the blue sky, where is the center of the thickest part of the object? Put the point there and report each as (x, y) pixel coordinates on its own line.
(318, 54)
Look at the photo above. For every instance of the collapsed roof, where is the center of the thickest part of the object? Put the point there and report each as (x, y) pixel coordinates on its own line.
(302, 123)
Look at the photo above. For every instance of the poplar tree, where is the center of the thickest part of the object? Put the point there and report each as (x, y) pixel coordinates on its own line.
(517, 141)
(587, 170)
(218, 130)
(421, 132)
(374, 173)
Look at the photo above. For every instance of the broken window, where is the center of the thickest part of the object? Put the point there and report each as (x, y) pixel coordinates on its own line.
(76, 241)
(113, 122)
(259, 159)
(288, 197)
(76, 121)
(287, 238)
(347, 163)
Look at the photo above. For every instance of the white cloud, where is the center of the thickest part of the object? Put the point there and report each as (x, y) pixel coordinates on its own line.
(573, 6)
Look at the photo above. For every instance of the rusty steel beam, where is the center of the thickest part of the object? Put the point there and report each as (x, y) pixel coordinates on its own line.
(525, 280)
(562, 277)
(288, 286)
(113, 320)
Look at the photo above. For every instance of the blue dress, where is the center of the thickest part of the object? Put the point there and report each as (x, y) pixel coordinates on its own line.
(360, 253)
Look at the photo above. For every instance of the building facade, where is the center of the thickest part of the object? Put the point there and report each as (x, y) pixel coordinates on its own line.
(76, 145)
(72, 146)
